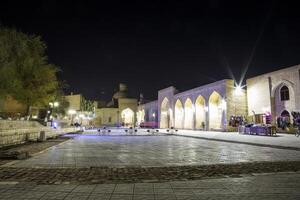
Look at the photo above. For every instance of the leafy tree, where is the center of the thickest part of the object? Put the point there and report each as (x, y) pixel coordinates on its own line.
(25, 73)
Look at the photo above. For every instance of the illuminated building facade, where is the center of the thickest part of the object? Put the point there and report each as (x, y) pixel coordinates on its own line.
(272, 96)
(208, 107)
(275, 94)
(80, 110)
(120, 111)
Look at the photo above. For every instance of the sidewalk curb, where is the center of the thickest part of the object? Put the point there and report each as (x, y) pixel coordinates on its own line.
(240, 142)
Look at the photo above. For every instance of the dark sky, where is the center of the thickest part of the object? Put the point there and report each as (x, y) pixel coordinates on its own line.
(150, 45)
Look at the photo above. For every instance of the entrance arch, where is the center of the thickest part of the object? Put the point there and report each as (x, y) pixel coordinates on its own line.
(188, 114)
(215, 111)
(179, 114)
(127, 116)
(200, 112)
(284, 96)
(284, 120)
(164, 113)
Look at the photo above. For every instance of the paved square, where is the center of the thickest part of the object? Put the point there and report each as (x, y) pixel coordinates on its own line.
(117, 151)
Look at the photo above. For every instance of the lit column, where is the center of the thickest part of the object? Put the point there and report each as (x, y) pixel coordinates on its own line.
(206, 118)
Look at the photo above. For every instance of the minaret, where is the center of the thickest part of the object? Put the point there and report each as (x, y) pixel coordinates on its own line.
(141, 100)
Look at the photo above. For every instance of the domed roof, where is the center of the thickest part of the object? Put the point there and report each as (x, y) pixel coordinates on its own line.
(122, 93)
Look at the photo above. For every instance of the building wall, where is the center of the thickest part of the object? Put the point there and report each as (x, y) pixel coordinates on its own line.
(74, 101)
(214, 102)
(106, 116)
(236, 101)
(148, 113)
(112, 116)
(263, 92)
(258, 95)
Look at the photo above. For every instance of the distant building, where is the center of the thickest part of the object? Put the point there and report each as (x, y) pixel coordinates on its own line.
(120, 111)
(80, 110)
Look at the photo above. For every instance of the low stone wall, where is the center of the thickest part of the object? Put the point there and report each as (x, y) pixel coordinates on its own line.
(17, 132)
(18, 124)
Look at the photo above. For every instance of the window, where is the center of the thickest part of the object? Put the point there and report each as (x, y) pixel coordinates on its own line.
(109, 119)
(284, 94)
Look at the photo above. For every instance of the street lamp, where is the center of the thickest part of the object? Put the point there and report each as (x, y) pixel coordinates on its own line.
(56, 104)
(50, 112)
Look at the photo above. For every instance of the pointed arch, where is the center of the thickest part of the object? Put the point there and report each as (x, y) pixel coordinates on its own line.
(200, 112)
(179, 114)
(215, 111)
(284, 97)
(127, 116)
(188, 114)
(164, 113)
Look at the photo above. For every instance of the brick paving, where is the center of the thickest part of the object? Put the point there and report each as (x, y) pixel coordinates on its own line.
(266, 186)
(140, 174)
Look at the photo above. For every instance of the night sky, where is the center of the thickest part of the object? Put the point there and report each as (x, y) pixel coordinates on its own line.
(150, 45)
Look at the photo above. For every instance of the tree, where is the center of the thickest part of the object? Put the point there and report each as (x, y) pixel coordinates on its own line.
(25, 73)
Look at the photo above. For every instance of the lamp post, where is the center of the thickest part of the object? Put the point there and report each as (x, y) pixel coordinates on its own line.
(50, 112)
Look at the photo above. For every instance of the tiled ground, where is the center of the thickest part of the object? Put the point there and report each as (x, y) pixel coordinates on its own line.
(116, 151)
(269, 186)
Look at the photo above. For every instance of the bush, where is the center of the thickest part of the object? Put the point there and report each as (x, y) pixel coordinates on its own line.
(231, 129)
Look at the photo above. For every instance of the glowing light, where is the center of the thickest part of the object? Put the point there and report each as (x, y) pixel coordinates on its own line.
(56, 104)
(206, 108)
(81, 115)
(72, 112)
(238, 89)
(127, 116)
(153, 114)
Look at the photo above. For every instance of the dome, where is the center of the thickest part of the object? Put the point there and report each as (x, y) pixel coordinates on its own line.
(122, 93)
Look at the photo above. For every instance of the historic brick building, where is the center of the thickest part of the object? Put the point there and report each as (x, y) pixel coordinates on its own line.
(275, 94)
(214, 106)
(121, 110)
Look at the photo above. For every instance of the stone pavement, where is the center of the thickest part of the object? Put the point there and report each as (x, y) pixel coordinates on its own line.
(30, 147)
(264, 186)
(119, 151)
